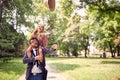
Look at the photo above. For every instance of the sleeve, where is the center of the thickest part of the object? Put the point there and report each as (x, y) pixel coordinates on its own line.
(47, 50)
(28, 60)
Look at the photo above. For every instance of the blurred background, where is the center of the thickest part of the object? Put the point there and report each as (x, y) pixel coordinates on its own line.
(85, 28)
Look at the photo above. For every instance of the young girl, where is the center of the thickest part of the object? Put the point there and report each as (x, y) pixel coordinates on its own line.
(41, 35)
(42, 38)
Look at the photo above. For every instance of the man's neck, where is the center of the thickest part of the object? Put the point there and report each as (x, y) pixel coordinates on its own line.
(34, 48)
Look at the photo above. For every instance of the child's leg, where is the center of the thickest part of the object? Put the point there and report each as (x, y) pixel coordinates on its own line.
(29, 51)
(28, 54)
(40, 54)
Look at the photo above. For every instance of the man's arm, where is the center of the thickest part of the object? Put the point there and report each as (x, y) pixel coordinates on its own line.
(50, 50)
(47, 50)
(28, 60)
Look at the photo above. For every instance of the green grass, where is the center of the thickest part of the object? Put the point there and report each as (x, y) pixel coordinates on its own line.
(87, 69)
(11, 70)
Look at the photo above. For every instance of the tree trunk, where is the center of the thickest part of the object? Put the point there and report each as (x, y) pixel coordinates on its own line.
(68, 54)
(118, 50)
(85, 52)
(112, 54)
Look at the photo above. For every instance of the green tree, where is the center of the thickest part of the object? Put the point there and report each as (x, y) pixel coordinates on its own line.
(106, 21)
(13, 17)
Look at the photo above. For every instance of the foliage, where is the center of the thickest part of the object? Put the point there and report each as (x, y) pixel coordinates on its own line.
(106, 25)
(69, 29)
(13, 17)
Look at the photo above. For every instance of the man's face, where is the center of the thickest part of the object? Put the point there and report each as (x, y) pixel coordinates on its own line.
(34, 43)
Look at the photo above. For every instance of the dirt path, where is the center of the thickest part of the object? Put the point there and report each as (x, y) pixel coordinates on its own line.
(52, 75)
(22, 77)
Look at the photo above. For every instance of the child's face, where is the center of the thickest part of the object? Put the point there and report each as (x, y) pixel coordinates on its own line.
(40, 28)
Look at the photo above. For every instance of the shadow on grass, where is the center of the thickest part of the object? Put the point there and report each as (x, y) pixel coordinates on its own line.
(63, 67)
(110, 62)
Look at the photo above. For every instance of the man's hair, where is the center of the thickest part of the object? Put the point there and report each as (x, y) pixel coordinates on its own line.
(33, 39)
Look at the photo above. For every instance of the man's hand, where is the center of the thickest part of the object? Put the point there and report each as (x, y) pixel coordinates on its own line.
(54, 47)
(38, 57)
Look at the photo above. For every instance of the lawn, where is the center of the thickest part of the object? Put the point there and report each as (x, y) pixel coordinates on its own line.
(87, 69)
(11, 70)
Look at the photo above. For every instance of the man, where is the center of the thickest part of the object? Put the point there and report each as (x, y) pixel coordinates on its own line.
(35, 68)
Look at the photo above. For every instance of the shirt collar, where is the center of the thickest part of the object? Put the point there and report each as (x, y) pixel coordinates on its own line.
(34, 49)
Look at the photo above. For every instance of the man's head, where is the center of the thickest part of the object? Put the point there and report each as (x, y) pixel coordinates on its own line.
(34, 42)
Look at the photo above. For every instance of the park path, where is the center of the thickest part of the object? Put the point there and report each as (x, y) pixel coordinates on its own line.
(52, 75)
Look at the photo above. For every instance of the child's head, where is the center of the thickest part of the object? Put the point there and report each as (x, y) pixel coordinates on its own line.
(40, 28)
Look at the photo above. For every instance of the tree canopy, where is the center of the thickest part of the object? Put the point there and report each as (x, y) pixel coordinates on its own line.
(72, 31)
